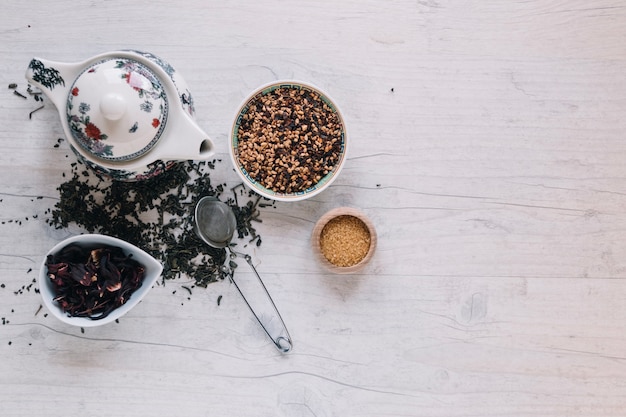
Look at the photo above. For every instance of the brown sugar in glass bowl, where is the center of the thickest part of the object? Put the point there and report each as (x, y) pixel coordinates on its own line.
(344, 239)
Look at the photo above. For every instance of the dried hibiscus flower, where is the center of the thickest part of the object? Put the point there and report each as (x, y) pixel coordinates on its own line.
(92, 282)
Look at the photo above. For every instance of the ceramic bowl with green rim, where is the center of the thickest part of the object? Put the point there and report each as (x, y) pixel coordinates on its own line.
(288, 141)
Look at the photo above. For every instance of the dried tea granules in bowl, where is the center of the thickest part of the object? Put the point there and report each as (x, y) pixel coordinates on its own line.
(345, 240)
(289, 139)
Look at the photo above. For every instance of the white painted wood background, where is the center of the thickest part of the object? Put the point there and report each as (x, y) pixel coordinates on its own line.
(488, 147)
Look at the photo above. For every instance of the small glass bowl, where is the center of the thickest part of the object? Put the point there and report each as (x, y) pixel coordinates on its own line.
(318, 235)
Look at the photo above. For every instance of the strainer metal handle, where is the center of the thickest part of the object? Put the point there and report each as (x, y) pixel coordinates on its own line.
(260, 303)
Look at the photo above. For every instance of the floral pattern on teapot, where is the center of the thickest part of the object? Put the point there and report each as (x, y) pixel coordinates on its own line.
(90, 135)
(47, 77)
(149, 99)
(153, 169)
(186, 99)
(60, 82)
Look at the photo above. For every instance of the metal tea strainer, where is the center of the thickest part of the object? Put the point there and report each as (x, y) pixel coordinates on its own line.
(215, 224)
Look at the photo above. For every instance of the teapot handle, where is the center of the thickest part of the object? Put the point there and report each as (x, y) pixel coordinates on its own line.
(54, 79)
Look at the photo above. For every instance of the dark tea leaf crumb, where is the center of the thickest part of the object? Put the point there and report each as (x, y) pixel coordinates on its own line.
(30, 115)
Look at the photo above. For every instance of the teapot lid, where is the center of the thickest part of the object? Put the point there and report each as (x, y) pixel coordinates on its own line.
(117, 109)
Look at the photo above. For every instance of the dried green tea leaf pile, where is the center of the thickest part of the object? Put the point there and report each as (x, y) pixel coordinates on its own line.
(156, 215)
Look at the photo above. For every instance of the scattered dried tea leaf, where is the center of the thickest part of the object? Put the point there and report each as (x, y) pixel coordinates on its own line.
(155, 215)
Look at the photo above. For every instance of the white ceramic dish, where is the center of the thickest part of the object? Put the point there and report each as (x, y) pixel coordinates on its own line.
(250, 182)
(153, 269)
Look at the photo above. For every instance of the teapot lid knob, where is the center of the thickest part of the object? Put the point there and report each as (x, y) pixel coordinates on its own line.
(112, 106)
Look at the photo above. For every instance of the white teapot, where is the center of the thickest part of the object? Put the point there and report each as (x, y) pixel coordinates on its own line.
(126, 114)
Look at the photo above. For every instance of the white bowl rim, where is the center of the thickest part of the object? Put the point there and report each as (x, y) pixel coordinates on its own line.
(325, 182)
(152, 273)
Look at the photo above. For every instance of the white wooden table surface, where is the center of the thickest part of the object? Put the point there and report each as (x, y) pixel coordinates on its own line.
(488, 147)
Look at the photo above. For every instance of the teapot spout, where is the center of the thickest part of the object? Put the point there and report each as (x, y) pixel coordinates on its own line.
(186, 140)
(52, 78)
